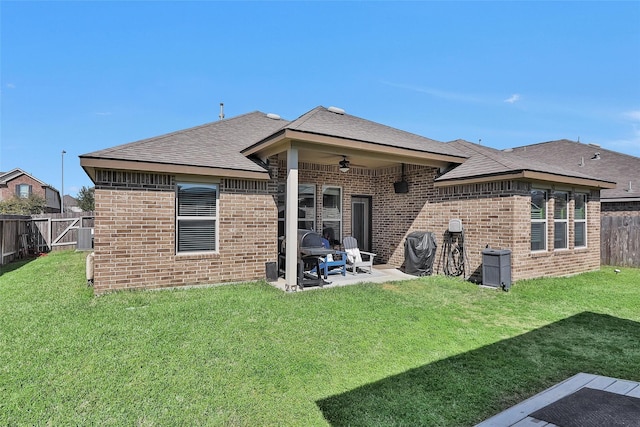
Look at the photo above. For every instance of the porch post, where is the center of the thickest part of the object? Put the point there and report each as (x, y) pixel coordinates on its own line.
(291, 219)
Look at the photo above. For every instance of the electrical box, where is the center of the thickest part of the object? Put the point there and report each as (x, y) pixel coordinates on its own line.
(455, 226)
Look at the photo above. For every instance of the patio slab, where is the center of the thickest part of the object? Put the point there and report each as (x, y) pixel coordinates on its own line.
(519, 415)
(380, 274)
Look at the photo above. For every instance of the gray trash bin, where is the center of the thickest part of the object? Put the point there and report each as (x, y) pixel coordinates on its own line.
(496, 268)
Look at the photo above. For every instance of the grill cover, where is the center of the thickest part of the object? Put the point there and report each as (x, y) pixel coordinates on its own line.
(419, 253)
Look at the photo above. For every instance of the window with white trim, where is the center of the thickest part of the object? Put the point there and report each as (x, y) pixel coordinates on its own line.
(580, 220)
(196, 217)
(560, 220)
(332, 212)
(538, 220)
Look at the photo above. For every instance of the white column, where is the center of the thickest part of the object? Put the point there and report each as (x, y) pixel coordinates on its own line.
(291, 219)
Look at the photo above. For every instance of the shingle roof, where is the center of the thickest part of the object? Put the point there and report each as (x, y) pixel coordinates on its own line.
(217, 144)
(485, 161)
(574, 156)
(322, 121)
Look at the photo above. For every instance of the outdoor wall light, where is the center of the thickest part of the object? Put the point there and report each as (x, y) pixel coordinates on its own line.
(344, 164)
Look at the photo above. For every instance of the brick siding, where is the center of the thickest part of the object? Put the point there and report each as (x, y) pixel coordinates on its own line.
(134, 239)
(135, 225)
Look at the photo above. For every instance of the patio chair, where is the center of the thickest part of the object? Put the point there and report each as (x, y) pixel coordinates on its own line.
(357, 259)
(334, 264)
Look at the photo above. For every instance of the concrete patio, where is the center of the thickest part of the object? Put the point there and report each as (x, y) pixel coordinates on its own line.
(381, 274)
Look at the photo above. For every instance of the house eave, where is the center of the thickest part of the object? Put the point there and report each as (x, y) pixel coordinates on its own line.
(528, 175)
(286, 138)
(90, 165)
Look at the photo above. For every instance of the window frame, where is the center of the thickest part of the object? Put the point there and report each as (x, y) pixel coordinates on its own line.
(19, 192)
(560, 195)
(543, 220)
(338, 232)
(282, 211)
(192, 218)
(582, 221)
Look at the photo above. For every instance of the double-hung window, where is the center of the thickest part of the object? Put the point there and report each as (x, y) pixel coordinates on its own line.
(538, 220)
(196, 217)
(560, 220)
(580, 221)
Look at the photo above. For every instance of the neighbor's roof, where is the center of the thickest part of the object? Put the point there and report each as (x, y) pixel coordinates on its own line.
(574, 156)
(15, 173)
(487, 163)
(214, 145)
(323, 121)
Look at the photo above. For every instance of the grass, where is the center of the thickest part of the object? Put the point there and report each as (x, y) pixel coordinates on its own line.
(432, 351)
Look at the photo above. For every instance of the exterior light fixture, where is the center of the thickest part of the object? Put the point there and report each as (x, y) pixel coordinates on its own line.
(344, 165)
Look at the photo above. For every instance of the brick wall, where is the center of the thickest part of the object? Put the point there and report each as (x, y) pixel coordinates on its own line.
(10, 191)
(135, 225)
(495, 214)
(135, 233)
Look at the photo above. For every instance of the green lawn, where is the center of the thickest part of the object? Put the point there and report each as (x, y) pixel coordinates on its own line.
(432, 351)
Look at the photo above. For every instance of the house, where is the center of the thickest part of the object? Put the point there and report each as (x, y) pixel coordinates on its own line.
(21, 184)
(620, 206)
(208, 204)
(71, 204)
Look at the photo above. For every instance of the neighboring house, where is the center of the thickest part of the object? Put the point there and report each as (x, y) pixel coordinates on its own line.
(208, 204)
(71, 204)
(21, 184)
(620, 206)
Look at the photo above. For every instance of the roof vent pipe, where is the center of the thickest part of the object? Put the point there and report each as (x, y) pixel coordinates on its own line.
(581, 161)
(629, 190)
(221, 115)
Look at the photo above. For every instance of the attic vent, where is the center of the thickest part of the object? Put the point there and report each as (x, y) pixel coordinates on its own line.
(273, 116)
(593, 144)
(596, 156)
(508, 150)
(336, 110)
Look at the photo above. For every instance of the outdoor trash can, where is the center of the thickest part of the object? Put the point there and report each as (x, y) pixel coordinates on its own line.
(271, 271)
(496, 268)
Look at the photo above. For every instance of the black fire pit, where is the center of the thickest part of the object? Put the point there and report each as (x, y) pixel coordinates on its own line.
(310, 251)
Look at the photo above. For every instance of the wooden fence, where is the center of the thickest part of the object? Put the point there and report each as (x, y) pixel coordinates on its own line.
(28, 235)
(620, 240)
(50, 232)
(12, 227)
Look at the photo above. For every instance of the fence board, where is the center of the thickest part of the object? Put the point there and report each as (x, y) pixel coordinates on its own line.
(620, 240)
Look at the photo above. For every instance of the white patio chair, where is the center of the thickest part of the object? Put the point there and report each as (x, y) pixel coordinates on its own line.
(357, 259)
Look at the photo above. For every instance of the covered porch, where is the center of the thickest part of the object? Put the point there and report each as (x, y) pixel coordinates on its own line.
(350, 177)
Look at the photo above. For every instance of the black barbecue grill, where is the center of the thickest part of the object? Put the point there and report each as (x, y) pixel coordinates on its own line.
(310, 251)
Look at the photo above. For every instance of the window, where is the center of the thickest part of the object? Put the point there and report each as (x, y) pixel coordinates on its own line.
(332, 212)
(196, 217)
(538, 220)
(23, 191)
(580, 221)
(560, 220)
(306, 207)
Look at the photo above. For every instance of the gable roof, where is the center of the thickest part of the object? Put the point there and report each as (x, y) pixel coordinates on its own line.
(487, 163)
(322, 121)
(5, 177)
(574, 157)
(333, 127)
(213, 146)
